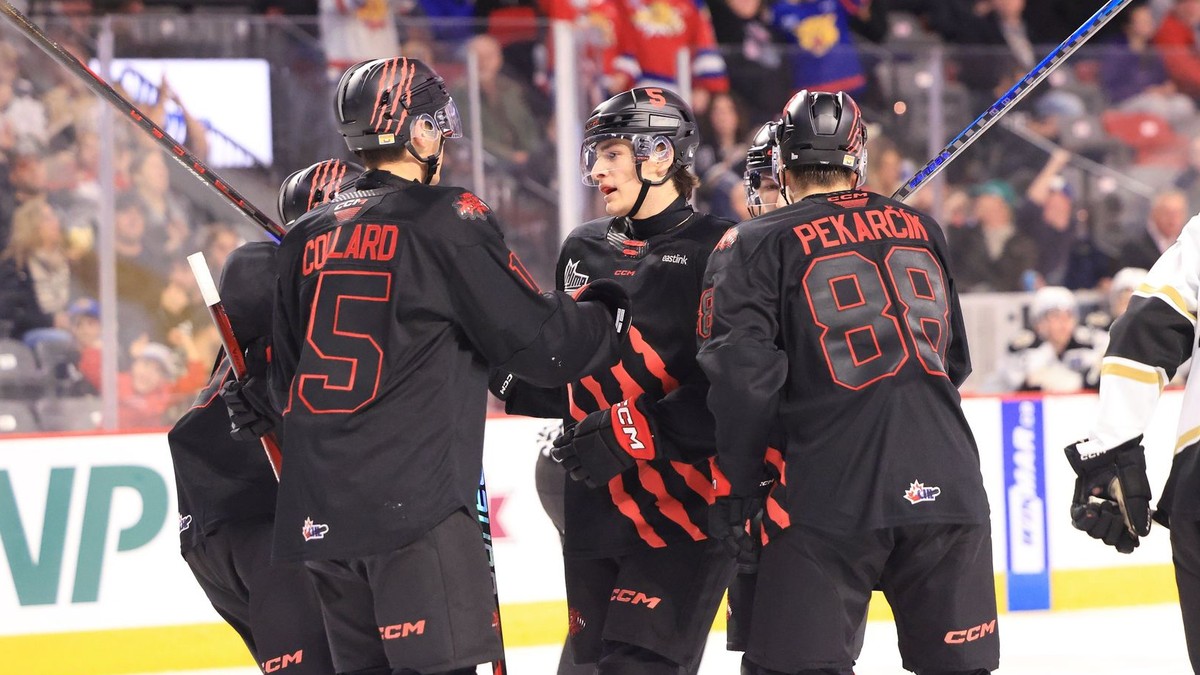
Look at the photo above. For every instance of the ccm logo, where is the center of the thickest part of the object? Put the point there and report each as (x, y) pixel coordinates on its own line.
(634, 598)
(957, 637)
(280, 662)
(402, 630)
(625, 419)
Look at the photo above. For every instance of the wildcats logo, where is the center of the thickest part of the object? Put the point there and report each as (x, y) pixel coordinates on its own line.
(313, 530)
(470, 207)
(727, 240)
(917, 493)
(573, 279)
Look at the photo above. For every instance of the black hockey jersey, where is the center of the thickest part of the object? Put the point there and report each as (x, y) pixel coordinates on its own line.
(219, 479)
(394, 299)
(660, 501)
(835, 318)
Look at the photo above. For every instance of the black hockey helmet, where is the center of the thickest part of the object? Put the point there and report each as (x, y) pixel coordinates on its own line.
(760, 165)
(309, 188)
(652, 119)
(377, 102)
(822, 128)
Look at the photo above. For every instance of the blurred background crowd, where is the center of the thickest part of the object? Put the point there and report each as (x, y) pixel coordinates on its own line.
(1052, 217)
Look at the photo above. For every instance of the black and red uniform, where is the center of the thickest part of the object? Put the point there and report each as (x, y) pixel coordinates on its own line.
(394, 300)
(835, 320)
(227, 496)
(642, 537)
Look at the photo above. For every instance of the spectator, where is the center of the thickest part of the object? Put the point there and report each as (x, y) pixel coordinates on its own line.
(167, 227)
(19, 294)
(1048, 215)
(1133, 74)
(144, 392)
(597, 23)
(992, 254)
(1056, 356)
(356, 31)
(1176, 37)
(45, 254)
(511, 133)
(754, 55)
(1124, 283)
(84, 324)
(650, 34)
(220, 239)
(1168, 214)
(823, 54)
(721, 156)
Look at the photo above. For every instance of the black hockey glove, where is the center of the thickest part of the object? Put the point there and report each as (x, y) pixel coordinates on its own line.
(605, 443)
(729, 520)
(613, 296)
(251, 414)
(1112, 494)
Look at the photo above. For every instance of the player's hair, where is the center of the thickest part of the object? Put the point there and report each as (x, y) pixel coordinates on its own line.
(819, 176)
(685, 181)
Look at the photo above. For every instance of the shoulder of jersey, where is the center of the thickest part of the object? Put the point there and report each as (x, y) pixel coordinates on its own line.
(592, 229)
(253, 255)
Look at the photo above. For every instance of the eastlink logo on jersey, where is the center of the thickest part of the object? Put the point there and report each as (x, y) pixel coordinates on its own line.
(676, 258)
(1025, 502)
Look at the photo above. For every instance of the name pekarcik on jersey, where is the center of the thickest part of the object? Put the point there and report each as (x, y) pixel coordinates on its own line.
(664, 500)
(834, 321)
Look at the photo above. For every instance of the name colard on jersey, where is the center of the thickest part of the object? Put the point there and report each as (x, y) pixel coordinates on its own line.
(852, 227)
(366, 241)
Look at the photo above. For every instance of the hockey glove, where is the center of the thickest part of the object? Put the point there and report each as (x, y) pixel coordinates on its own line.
(729, 521)
(613, 296)
(1112, 494)
(605, 443)
(251, 414)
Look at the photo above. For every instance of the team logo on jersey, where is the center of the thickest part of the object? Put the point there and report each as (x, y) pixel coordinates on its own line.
(573, 279)
(727, 239)
(470, 207)
(676, 258)
(313, 530)
(917, 493)
(657, 19)
(184, 522)
(575, 621)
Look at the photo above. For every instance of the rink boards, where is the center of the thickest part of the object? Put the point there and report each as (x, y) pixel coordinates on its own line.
(91, 580)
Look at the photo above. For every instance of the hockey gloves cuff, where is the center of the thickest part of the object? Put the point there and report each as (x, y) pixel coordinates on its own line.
(729, 521)
(614, 297)
(606, 443)
(251, 414)
(1112, 494)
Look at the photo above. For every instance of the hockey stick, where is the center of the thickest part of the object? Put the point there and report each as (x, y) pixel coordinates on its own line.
(485, 521)
(212, 298)
(106, 92)
(1006, 102)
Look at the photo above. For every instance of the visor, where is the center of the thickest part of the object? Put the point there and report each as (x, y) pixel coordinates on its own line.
(448, 121)
(754, 180)
(590, 152)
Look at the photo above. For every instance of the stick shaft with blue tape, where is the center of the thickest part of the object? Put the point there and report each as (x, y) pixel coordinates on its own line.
(1006, 102)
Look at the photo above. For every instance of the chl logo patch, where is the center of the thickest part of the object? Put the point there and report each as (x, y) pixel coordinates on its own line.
(313, 530)
(575, 621)
(184, 522)
(573, 279)
(917, 493)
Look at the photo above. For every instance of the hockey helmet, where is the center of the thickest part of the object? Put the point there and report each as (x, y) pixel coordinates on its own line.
(759, 168)
(654, 120)
(378, 101)
(308, 188)
(822, 128)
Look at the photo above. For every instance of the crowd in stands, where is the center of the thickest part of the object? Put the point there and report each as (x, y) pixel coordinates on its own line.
(1026, 208)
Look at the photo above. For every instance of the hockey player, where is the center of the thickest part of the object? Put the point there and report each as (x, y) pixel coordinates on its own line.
(643, 579)
(762, 192)
(226, 487)
(1148, 343)
(834, 317)
(393, 301)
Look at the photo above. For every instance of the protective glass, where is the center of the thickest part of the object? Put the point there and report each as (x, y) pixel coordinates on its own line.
(597, 149)
(448, 121)
(762, 190)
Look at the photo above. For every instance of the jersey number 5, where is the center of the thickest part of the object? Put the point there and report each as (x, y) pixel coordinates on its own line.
(863, 341)
(344, 375)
